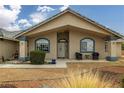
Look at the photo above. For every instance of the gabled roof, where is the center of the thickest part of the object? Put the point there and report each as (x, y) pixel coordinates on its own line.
(75, 13)
(8, 34)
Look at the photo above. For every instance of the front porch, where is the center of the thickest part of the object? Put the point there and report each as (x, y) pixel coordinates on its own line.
(65, 41)
(111, 51)
(64, 34)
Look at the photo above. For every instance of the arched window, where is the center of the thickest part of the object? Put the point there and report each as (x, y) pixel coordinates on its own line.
(42, 44)
(87, 45)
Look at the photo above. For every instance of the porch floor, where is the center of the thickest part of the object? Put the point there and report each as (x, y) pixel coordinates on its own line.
(60, 63)
(74, 60)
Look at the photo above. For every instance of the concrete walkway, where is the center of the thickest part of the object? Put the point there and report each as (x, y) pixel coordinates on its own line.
(61, 63)
(57, 65)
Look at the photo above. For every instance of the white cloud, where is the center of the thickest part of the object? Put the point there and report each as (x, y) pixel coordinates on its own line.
(27, 25)
(24, 23)
(37, 17)
(14, 27)
(8, 17)
(45, 9)
(64, 7)
(1, 7)
(40, 14)
(15, 8)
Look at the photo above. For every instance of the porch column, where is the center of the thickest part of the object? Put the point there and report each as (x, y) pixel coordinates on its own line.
(112, 51)
(23, 48)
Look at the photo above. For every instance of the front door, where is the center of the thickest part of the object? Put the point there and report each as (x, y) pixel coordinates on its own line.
(62, 50)
(63, 44)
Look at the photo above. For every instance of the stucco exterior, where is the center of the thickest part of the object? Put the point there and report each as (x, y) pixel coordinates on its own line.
(52, 37)
(7, 48)
(67, 19)
(78, 28)
(75, 38)
(119, 50)
(74, 43)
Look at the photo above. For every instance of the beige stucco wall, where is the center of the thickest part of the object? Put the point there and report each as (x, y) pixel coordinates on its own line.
(119, 50)
(68, 19)
(23, 49)
(74, 43)
(53, 44)
(75, 38)
(7, 48)
(115, 49)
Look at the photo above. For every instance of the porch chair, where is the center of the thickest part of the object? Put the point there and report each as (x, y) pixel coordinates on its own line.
(78, 56)
(95, 55)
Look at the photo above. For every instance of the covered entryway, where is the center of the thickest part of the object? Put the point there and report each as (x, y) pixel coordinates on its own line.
(62, 44)
(62, 49)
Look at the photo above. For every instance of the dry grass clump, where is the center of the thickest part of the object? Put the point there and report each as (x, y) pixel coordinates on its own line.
(88, 79)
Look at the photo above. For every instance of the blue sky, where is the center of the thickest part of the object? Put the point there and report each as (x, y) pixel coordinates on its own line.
(22, 17)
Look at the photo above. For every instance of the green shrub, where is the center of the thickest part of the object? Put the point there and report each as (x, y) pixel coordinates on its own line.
(37, 57)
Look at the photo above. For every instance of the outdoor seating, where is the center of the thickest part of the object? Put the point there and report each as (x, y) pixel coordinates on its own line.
(78, 56)
(95, 55)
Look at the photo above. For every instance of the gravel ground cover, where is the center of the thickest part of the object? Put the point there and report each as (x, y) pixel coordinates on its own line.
(37, 78)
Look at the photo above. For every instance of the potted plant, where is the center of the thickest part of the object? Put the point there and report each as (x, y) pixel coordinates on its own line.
(53, 61)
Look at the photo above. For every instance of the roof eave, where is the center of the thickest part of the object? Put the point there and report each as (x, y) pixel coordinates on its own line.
(9, 39)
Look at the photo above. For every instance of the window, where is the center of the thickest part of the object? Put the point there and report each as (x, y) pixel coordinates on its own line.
(87, 45)
(43, 44)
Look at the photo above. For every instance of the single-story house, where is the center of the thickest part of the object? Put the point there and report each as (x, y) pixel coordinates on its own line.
(66, 33)
(8, 45)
